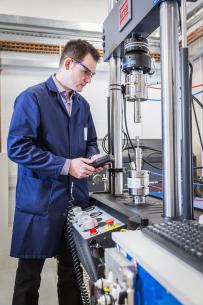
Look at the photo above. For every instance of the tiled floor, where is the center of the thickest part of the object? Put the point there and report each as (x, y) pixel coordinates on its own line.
(48, 294)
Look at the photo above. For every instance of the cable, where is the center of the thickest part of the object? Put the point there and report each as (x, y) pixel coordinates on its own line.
(73, 250)
(128, 148)
(104, 145)
(125, 142)
(126, 127)
(153, 153)
(153, 100)
(146, 147)
(76, 260)
(156, 174)
(150, 148)
(196, 121)
(155, 182)
(196, 86)
(198, 180)
(159, 88)
(180, 21)
(156, 167)
(197, 198)
(125, 139)
(125, 120)
(197, 101)
(155, 187)
(156, 88)
(196, 93)
(128, 135)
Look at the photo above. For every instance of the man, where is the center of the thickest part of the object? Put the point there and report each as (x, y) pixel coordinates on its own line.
(52, 138)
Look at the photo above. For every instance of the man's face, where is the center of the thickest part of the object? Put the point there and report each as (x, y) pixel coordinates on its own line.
(81, 72)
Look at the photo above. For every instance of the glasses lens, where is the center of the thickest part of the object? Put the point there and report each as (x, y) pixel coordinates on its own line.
(85, 69)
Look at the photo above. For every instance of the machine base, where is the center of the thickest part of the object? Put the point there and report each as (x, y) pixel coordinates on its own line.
(132, 215)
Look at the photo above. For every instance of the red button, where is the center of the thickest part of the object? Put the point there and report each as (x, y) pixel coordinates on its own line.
(93, 231)
(110, 221)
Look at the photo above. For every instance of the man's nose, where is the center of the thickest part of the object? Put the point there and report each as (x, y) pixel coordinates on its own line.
(88, 79)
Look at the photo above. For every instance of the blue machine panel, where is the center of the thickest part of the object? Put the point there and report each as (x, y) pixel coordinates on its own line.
(150, 292)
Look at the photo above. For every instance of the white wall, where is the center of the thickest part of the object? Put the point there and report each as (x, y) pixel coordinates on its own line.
(4, 211)
(96, 94)
(94, 11)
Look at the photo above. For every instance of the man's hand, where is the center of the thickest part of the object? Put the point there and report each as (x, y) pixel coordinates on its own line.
(79, 168)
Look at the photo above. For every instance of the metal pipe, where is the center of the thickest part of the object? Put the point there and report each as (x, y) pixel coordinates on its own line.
(109, 180)
(115, 119)
(183, 23)
(187, 159)
(169, 75)
(116, 122)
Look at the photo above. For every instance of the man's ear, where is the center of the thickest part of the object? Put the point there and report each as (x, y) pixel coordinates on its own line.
(67, 63)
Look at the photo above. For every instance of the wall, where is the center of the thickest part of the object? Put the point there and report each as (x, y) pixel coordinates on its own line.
(70, 10)
(4, 212)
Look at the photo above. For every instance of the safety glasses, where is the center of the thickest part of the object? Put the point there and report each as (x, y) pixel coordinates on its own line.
(86, 70)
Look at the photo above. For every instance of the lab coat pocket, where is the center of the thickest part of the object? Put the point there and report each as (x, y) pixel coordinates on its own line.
(34, 196)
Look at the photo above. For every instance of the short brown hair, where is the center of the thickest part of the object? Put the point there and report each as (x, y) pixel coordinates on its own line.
(78, 49)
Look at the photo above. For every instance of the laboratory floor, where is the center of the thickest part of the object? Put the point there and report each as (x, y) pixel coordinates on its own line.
(48, 291)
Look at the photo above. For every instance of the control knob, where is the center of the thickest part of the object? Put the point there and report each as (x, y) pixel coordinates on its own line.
(88, 222)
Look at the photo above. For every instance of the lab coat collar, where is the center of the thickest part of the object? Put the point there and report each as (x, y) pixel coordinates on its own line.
(76, 98)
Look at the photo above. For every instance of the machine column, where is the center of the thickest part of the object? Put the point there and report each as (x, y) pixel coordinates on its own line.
(187, 158)
(116, 123)
(169, 91)
(115, 120)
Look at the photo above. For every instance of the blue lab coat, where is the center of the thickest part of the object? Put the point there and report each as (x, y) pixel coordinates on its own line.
(41, 137)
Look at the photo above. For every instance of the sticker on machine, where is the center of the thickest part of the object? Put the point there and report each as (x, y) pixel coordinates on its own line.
(134, 183)
(125, 13)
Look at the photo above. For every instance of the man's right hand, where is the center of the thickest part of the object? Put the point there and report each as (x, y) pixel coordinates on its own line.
(79, 168)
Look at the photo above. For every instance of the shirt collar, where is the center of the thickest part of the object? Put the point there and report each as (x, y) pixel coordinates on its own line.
(60, 88)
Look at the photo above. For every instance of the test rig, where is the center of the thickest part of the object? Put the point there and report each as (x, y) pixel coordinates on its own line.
(126, 48)
(139, 270)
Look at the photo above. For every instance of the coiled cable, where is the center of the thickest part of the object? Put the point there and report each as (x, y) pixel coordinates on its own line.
(76, 260)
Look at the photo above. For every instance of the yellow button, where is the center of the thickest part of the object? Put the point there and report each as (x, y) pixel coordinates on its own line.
(107, 228)
(123, 230)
